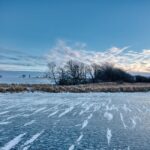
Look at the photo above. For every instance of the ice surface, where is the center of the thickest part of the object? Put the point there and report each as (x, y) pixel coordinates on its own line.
(4, 122)
(11, 144)
(74, 121)
(108, 116)
(71, 147)
(109, 135)
(33, 138)
(79, 138)
(66, 111)
(29, 123)
(122, 119)
(4, 112)
(53, 113)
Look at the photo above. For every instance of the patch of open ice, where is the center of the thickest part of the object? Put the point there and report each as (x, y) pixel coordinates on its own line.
(11, 144)
(74, 113)
(1, 130)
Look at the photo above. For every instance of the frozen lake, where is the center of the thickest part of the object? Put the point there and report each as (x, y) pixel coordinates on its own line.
(23, 77)
(67, 121)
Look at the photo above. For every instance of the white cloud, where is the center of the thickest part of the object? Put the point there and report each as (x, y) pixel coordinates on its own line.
(128, 59)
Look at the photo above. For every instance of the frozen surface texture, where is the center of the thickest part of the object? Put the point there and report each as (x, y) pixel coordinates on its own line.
(67, 121)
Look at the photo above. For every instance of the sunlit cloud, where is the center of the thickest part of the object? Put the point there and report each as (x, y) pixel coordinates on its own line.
(125, 58)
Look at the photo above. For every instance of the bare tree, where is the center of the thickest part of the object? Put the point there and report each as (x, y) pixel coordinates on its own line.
(76, 71)
(52, 72)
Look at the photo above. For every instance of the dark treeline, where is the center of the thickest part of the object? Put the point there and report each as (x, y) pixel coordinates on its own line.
(74, 73)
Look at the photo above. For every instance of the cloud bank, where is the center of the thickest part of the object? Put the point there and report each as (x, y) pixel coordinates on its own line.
(12, 60)
(125, 58)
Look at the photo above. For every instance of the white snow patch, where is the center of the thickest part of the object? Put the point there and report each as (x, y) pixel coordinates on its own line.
(71, 147)
(80, 138)
(33, 138)
(109, 135)
(85, 123)
(108, 116)
(83, 104)
(133, 122)
(4, 112)
(121, 117)
(26, 148)
(4, 122)
(66, 111)
(86, 109)
(25, 115)
(126, 109)
(128, 148)
(113, 107)
(81, 112)
(96, 108)
(11, 144)
(29, 123)
(77, 125)
(90, 116)
(53, 113)
(11, 117)
(39, 110)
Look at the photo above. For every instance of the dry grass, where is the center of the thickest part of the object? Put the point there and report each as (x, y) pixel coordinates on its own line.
(99, 87)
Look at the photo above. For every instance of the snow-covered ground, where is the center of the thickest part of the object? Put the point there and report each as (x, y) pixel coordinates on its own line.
(67, 121)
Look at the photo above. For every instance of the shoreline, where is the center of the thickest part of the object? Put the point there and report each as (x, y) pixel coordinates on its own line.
(85, 88)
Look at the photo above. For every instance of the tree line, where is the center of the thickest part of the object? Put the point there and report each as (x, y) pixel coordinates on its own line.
(74, 73)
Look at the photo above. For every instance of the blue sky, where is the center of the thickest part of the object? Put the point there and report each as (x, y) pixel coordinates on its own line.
(33, 27)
